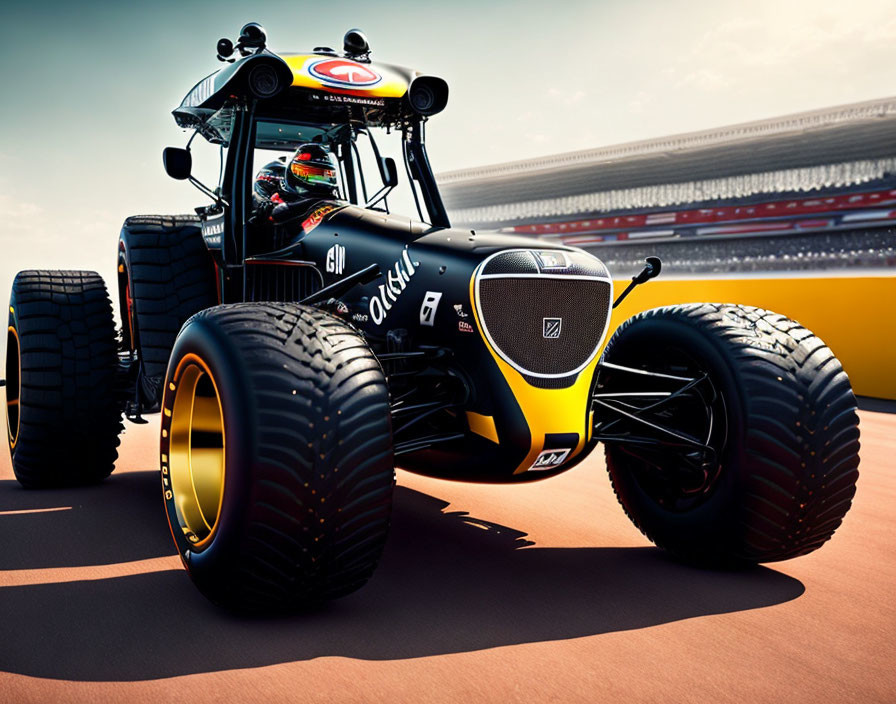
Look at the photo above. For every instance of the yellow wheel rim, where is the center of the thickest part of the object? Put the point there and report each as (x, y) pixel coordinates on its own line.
(196, 450)
(13, 385)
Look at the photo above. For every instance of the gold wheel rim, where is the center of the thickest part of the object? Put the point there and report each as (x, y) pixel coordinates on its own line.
(196, 450)
(13, 385)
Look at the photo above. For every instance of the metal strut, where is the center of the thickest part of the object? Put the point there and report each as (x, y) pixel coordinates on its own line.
(634, 413)
(402, 448)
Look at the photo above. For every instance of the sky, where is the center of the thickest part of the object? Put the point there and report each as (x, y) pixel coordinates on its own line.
(88, 87)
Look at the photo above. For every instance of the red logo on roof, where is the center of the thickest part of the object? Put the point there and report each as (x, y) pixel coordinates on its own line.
(344, 73)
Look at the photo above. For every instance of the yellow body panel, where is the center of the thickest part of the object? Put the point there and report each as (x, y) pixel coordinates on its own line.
(853, 315)
(550, 410)
(483, 425)
(545, 410)
(392, 85)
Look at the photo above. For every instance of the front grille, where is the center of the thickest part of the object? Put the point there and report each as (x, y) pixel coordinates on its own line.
(517, 261)
(545, 325)
(281, 282)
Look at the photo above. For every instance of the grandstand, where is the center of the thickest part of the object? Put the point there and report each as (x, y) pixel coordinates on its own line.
(868, 249)
(816, 190)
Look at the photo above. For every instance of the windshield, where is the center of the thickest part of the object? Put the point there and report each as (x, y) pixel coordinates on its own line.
(358, 152)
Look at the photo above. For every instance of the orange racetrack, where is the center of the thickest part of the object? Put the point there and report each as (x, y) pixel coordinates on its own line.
(532, 593)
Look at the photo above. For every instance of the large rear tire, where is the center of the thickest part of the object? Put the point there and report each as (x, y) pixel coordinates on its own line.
(63, 417)
(165, 275)
(276, 451)
(778, 409)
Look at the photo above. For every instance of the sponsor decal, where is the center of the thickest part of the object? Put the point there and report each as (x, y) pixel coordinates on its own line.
(552, 261)
(463, 326)
(429, 307)
(551, 328)
(316, 217)
(341, 308)
(551, 458)
(397, 279)
(212, 231)
(214, 228)
(459, 309)
(336, 259)
(352, 99)
(344, 73)
(360, 317)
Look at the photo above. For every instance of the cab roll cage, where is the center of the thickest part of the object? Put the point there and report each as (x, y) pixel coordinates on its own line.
(238, 180)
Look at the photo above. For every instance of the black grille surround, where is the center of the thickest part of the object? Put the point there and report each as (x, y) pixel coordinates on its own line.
(547, 325)
(288, 282)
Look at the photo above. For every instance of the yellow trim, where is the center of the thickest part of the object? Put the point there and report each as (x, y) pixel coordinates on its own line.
(13, 438)
(546, 411)
(392, 84)
(197, 474)
(483, 425)
(852, 314)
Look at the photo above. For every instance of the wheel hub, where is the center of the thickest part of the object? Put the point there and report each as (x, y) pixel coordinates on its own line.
(13, 385)
(196, 462)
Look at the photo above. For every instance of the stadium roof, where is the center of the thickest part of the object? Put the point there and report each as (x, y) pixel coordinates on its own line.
(818, 149)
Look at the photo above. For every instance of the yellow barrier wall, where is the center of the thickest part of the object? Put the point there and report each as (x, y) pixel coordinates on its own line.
(853, 315)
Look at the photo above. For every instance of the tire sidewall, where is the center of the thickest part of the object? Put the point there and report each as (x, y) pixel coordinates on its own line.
(710, 528)
(216, 557)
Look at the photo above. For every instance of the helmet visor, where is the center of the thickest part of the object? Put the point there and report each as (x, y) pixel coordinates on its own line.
(314, 175)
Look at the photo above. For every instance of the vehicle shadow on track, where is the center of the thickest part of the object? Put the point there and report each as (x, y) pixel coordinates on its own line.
(448, 583)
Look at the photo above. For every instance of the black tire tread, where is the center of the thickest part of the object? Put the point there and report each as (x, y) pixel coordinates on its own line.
(69, 416)
(802, 432)
(319, 513)
(171, 276)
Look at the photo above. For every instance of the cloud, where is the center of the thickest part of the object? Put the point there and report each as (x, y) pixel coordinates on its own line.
(705, 79)
(799, 41)
(566, 98)
(18, 217)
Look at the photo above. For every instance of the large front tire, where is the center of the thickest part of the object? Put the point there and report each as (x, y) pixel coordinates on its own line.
(63, 417)
(276, 453)
(779, 411)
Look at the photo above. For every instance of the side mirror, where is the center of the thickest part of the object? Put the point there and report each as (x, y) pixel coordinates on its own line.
(389, 172)
(178, 163)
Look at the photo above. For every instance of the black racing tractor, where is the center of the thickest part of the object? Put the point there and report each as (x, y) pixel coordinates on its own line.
(298, 350)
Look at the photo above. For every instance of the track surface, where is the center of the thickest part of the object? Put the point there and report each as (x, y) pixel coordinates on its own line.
(532, 593)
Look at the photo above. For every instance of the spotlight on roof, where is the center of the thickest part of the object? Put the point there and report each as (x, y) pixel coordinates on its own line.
(428, 95)
(225, 49)
(252, 36)
(355, 44)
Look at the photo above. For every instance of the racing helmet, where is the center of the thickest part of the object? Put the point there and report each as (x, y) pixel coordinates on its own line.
(268, 180)
(311, 171)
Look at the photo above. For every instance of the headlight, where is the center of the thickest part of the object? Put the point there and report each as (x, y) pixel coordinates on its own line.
(264, 81)
(428, 95)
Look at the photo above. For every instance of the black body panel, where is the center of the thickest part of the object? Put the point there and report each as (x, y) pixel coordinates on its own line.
(424, 299)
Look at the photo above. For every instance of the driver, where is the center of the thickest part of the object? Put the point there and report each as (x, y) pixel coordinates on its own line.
(268, 182)
(286, 191)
